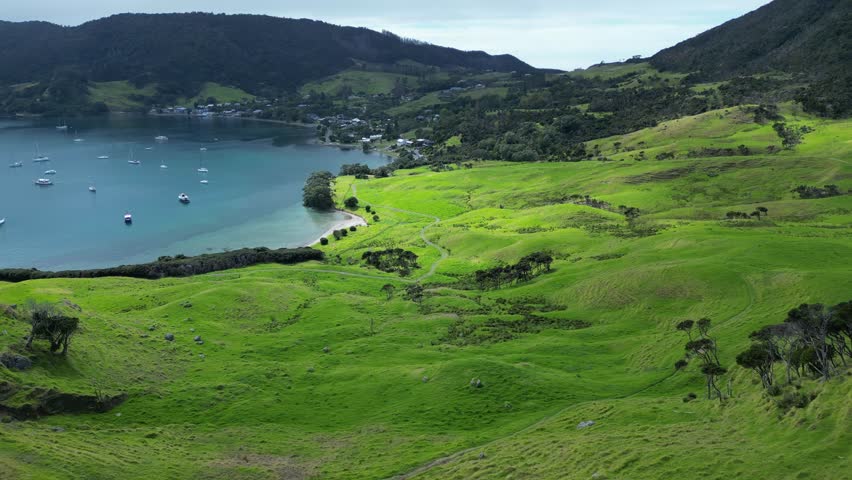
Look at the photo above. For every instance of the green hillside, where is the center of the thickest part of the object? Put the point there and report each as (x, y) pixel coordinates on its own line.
(311, 371)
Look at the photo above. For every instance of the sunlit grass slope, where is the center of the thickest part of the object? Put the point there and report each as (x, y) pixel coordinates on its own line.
(309, 371)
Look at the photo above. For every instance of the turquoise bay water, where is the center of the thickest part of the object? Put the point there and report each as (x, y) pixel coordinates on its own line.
(253, 197)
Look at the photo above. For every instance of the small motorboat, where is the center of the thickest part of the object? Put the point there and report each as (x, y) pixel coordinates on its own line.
(203, 149)
(203, 170)
(149, 148)
(128, 219)
(43, 182)
(2, 221)
(16, 165)
(164, 166)
(93, 189)
(78, 140)
(204, 182)
(134, 162)
(103, 157)
(161, 138)
(183, 198)
(50, 172)
(62, 127)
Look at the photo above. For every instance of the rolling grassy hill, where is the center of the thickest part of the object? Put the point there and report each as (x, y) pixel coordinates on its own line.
(310, 371)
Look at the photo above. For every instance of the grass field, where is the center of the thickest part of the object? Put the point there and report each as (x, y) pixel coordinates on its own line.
(309, 371)
(117, 95)
(361, 82)
(120, 95)
(221, 93)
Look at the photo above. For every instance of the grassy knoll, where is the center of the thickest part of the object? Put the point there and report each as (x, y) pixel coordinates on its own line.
(119, 95)
(264, 398)
(361, 83)
(222, 94)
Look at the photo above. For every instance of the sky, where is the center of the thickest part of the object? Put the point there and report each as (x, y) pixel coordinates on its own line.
(563, 34)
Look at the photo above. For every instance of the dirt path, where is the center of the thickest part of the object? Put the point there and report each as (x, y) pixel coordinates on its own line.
(437, 220)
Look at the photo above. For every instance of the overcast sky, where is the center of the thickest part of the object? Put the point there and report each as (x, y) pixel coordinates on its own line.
(564, 34)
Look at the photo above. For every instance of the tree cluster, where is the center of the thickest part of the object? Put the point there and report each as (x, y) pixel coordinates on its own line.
(703, 347)
(757, 213)
(318, 192)
(527, 268)
(813, 339)
(392, 260)
(808, 192)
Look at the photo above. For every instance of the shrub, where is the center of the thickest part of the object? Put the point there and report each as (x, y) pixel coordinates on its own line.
(323, 241)
(375, 218)
(353, 228)
(793, 399)
(351, 203)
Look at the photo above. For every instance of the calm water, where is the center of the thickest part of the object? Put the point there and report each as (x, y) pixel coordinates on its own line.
(253, 197)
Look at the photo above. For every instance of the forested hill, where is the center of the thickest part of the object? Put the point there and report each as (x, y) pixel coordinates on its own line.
(812, 37)
(248, 51)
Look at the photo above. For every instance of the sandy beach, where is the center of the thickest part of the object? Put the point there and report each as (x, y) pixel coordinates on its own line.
(351, 220)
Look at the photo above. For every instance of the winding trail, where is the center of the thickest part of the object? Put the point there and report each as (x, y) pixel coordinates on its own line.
(437, 220)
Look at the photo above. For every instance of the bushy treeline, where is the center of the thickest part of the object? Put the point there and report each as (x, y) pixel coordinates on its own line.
(808, 192)
(527, 267)
(177, 266)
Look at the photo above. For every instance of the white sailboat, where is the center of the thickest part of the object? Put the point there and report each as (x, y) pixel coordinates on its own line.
(38, 156)
(105, 156)
(76, 138)
(132, 160)
(62, 126)
(16, 165)
(201, 167)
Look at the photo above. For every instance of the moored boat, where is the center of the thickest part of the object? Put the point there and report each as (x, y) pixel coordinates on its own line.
(43, 182)
(183, 198)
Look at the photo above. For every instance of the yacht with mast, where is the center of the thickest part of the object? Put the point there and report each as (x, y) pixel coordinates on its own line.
(38, 156)
(201, 167)
(132, 160)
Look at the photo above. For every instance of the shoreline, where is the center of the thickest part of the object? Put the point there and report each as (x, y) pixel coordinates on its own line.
(352, 220)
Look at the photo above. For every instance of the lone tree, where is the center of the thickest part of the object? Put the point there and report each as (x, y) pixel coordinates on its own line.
(388, 290)
(790, 137)
(49, 323)
(351, 203)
